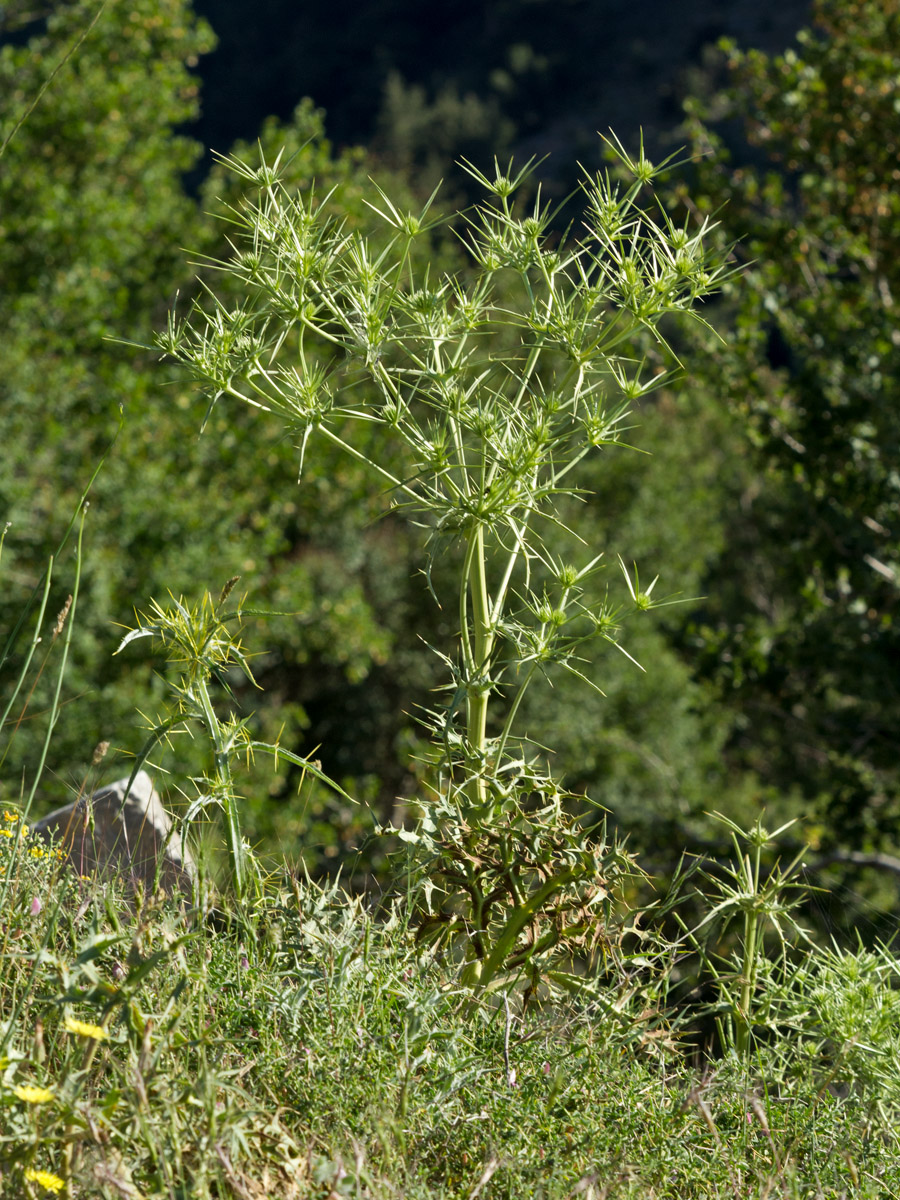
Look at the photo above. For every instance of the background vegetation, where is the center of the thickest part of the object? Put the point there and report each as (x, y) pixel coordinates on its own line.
(769, 492)
(775, 690)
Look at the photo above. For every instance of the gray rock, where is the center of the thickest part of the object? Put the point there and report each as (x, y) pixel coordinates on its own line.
(125, 833)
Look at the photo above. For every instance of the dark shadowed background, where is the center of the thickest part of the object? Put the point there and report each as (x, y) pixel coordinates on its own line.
(544, 74)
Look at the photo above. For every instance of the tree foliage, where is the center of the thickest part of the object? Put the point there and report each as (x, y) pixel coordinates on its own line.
(95, 218)
(801, 627)
(92, 214)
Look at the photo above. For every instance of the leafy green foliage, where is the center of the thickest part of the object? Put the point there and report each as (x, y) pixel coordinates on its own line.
(93, 211)
(91, 250)
(313, 1047)
(800, 628)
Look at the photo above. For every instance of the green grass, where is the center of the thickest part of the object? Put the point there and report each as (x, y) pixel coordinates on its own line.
(307, 1043)
(311, 1050)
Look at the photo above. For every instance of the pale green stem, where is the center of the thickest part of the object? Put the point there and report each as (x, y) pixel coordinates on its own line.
(479, 691)
(387, 385)
(460, 454)
(35, 642)
(573, 462)
(238, 395)
(76, 45)
(465, 641)
(392, 479)
(748, 977)
(533, 357)
(233, 838)
(519, 534)
(455, 427)
(455, 431)
(749, 964)
(513, 709)
(322, 333)
(51, 724)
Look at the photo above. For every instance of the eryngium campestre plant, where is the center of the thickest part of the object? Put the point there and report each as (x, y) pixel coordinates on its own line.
(494, 383)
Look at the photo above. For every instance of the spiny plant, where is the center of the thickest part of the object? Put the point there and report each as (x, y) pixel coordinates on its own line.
(495, 384)
(761, 900)
(202, 642)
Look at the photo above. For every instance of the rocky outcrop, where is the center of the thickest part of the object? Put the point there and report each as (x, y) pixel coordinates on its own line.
(122, 831)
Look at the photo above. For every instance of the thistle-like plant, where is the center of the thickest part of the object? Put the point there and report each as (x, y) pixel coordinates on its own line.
(495, 384)
(761, 900)
(202, 642)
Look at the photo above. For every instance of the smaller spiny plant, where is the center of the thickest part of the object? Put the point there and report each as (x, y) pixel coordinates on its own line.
(201, 642)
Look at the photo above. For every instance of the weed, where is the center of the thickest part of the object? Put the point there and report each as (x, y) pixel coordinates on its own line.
(493, 387)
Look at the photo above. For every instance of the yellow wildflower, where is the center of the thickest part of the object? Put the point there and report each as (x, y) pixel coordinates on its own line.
(46, 1179)
(6, 833)
(32, 1095)
(10, 816)
(85, 1029)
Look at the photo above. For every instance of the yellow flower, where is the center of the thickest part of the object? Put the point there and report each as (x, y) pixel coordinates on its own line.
(35, 851)
(33, 1095)
(85, 1029)
(46, 1179)
(10, 816)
